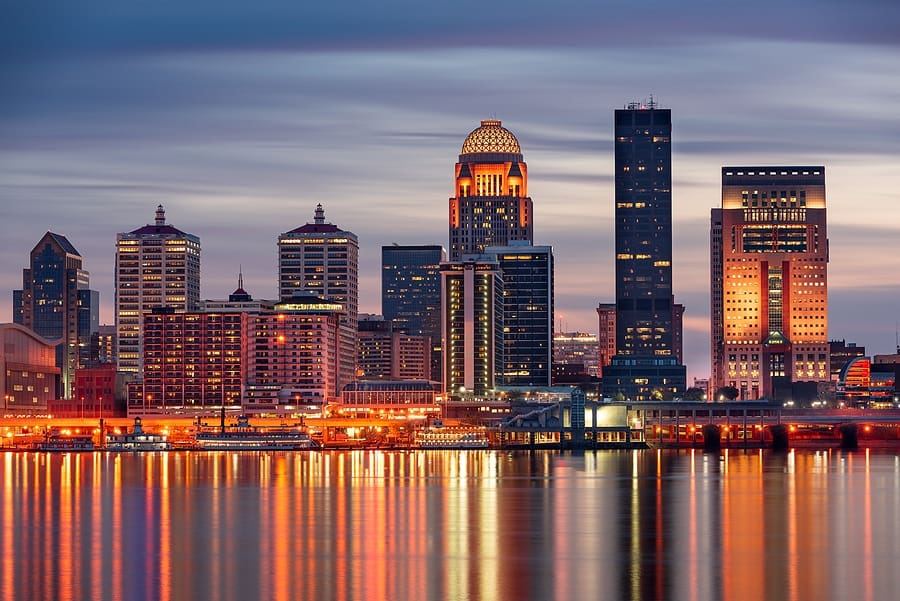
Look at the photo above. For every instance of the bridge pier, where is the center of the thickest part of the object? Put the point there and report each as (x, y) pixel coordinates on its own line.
(780, 439)
(849, 436)
(712, 438)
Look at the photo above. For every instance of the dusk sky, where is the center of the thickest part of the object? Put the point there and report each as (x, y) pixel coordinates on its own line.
(240, 120)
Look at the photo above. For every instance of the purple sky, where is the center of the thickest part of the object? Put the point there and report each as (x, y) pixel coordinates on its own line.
(240, 121)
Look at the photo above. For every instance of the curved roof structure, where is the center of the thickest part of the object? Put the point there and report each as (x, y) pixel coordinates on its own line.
(491, 137)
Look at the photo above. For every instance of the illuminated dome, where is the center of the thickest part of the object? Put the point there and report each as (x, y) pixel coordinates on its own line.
(491, 137)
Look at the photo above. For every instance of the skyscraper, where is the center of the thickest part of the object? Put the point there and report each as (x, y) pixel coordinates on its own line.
(527, 273)
(157, 265)
(56, 303)
(491, 206)
(323, 259)
(473, 325)
(646, 364)
(411, 293)
(769, 281)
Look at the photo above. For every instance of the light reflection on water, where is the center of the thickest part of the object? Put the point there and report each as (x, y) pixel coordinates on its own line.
(450, 525)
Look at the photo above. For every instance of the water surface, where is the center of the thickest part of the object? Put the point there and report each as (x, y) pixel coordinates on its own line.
(467, 525)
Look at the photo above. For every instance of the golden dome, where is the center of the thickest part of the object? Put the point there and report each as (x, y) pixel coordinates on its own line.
(491, 137)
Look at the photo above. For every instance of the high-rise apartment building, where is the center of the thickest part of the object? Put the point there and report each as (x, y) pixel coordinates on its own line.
(411, 293)
(527, 273)
(56, 303)
(491, 206)
(322, 259)
(473, 325)
(157, 265)
(769, 263)
(646, 365)
(193, 362)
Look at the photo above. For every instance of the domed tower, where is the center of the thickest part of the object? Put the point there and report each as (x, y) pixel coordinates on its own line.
(491, 206)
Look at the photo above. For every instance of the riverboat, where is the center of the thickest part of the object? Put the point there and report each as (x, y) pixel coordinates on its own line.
(441, 437)
(241, 436)
(137, 440)
(65, 442)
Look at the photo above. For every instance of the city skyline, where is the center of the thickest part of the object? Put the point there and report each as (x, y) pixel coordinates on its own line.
(241, 131)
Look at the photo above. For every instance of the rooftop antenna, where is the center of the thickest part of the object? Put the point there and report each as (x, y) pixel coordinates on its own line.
(240, 276)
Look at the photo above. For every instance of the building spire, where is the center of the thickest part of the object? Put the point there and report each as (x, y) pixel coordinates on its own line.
(320, 214)
(160, 215)
(240, 277)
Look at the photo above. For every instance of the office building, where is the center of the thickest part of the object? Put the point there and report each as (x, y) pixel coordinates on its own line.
(527, 273)
(322, 259)
(411, 293)
(646, 364)
(57, 304)
(157, 265)
(770, 281)
(580, 350)
(472, 297)
(491, 206)
(386, 352)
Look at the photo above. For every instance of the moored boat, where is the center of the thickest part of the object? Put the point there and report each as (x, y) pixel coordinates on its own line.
(64, 441)
(137, 440)
(241, 436)
(441, 437)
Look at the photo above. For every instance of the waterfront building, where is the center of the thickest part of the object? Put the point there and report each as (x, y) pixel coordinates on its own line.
(841, 352)
(385, 352)
(194, 363)
(322, 259)
(491, 206)
(646, 365)
(580, 350)
(865, 383)
(472, 298)
(527, 273)
(402, 397)
(411, 293)
(29, 374)
(769, 262)
(294, 356)
(56, 302)
(157, 265)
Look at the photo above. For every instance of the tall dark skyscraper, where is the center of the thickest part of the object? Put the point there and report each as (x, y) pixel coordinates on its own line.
(411, 293)
(646, 364)
(56, 302)
(527, 273)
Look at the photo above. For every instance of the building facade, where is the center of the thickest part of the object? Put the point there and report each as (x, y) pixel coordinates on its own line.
(322, 259)
(411, 293)
(56, 303)
(580, 350)
(386, 352)
(157, 265)
(472, 294)
(28, 370)
(194, 363)
(769, 280)
(491, 206)
(527, 273)
(646, 364)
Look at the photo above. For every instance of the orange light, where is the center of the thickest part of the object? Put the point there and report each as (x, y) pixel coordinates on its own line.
(793, 428)
(868, 428)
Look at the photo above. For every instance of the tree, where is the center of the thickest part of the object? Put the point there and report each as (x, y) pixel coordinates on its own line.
(727, 392)
(695, 394)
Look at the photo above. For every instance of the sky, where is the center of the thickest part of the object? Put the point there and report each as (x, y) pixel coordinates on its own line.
(240, 119)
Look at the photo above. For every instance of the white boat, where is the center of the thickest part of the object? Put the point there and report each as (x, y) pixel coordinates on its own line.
(57, 441)
(137, 440)
(244, 437)
(442, 437)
